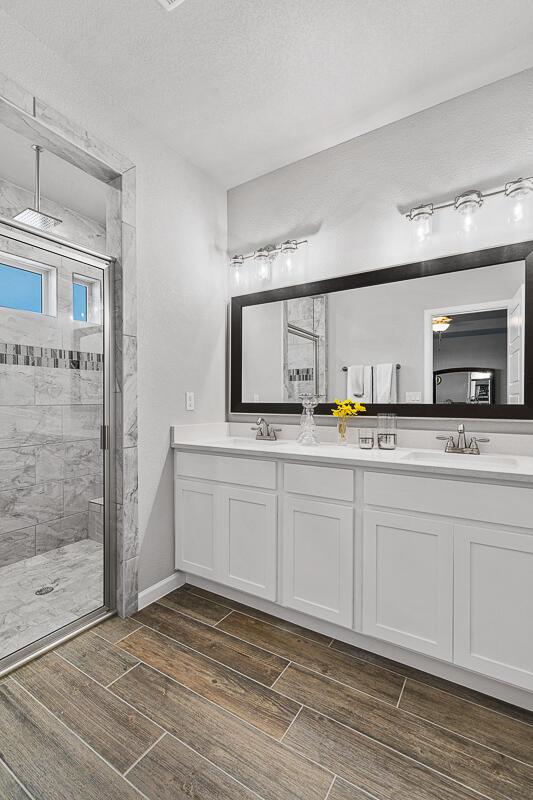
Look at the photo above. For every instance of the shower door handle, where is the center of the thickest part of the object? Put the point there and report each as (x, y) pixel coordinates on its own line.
(104, 437)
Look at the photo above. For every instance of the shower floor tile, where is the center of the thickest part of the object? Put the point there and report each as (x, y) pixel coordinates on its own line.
(76, 574)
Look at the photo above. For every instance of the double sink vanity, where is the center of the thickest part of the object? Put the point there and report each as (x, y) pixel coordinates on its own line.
(418, 554)
(427, 551)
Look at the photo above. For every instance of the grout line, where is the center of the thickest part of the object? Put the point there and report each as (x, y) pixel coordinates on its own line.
(119, 677)
(330, 787)
(144, 754)
(280, 674)
(223, 618)
(17, 780)
(363, 791)
(291, 724)
(401, 694)
(77, 736)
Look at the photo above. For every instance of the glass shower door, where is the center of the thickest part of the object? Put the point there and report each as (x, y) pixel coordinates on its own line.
(53, 462)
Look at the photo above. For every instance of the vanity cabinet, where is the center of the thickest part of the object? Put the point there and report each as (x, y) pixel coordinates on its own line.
(439, 565)
(196, 513)
(493, 586)
(408, 582)
(317, 559)
(248, 540)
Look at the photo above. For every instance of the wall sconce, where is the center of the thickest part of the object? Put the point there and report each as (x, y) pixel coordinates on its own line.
(469, 203)
(263, 259)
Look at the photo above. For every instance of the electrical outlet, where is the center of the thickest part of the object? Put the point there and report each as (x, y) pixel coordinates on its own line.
(189, 401)
(256, 398)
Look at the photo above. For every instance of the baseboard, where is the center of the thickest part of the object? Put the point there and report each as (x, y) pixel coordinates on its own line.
(160, 589)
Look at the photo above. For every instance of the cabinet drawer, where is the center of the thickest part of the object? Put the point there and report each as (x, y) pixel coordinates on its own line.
(329, 482)
(509, 505)
(227, 469)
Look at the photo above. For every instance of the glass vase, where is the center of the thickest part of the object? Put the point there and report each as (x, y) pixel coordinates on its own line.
(308, 432)
(342, 430)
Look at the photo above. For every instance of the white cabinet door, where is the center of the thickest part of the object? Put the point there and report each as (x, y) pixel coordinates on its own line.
(248, 541)
(196, 512)
(494, 603)
(408, 582)
(318, 559)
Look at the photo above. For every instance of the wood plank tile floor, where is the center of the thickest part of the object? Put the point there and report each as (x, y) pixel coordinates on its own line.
(198, 697)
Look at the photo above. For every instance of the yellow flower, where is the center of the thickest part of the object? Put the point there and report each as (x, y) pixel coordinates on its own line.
(347, 408)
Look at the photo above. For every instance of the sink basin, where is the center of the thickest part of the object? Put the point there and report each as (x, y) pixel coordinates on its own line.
(459, 459)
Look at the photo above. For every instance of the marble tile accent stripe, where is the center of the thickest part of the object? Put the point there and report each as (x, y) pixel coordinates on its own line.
(34, 356)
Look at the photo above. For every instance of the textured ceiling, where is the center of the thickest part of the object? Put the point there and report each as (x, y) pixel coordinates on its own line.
(241, 87)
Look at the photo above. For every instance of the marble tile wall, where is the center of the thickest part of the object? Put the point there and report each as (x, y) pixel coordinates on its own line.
(308, 313)
(50, 459)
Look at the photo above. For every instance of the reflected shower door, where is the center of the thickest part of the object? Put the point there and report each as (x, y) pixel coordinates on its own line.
(54, 465)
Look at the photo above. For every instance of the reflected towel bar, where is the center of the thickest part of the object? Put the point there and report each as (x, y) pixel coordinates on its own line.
(345, 369)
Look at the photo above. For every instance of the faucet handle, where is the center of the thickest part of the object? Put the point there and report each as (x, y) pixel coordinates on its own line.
(445, 438)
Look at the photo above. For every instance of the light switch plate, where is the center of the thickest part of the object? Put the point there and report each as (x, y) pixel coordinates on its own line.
(189, 401)
(413, 397)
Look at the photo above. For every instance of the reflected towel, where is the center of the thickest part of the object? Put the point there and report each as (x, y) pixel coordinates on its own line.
(359, 383)
(386, 390)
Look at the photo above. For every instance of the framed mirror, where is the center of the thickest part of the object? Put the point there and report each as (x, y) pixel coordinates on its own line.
(451, 337)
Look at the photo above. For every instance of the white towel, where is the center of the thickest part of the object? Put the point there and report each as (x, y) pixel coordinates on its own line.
(386, 389)
(359, 383)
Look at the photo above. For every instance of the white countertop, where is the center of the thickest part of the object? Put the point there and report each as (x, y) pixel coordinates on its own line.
(216, 438)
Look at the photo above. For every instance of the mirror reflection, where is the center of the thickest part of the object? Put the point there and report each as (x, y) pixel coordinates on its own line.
(450, 338)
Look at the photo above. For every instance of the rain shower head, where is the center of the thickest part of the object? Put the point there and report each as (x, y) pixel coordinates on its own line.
(34, 216)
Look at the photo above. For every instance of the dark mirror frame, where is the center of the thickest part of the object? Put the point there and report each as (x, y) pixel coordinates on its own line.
(522, 251)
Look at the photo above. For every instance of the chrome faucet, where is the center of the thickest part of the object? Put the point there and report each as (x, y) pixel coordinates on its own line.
(460, 446)
(264, 431)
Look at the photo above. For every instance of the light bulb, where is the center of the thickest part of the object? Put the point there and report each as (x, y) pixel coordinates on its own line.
(518, 192)
(422, 217)
(467, 204)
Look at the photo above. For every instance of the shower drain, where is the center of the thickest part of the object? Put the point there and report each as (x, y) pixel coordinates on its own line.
(45, 590)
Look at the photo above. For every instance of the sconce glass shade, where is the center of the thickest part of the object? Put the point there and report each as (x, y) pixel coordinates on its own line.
(239, 274)
(518, 191)
(440, 324)
(422, 217)
(263, 258)
(467, 204)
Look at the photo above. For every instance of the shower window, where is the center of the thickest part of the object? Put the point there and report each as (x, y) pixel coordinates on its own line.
(79, 302)
(27, 286)
(86, 299)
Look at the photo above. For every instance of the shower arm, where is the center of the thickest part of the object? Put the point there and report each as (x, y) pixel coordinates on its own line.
(37, 200)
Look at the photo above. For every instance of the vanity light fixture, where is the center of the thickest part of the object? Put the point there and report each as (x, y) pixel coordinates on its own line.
(468, 203)
(263, 257)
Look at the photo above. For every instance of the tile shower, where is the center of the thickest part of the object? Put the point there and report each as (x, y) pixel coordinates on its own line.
(51, 466)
